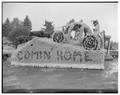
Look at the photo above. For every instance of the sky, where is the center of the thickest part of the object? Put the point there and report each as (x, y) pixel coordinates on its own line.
(61, 13)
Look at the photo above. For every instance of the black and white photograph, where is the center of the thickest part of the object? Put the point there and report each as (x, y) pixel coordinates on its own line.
(59, 47)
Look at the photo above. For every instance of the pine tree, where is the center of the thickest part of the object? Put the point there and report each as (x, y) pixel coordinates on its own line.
(16, 23)
(6, 28)
(27, 23)
(17, 33)
(49, 28)
(18, 30)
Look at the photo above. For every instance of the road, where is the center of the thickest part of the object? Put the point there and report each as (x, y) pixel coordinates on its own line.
(18, 77)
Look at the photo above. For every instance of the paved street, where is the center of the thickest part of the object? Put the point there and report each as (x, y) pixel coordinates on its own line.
(18, 77)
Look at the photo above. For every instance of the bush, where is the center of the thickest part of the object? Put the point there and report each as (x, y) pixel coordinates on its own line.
(37, 33)
(23, 39)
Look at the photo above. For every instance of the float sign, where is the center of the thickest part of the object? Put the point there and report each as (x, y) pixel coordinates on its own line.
(44, 52)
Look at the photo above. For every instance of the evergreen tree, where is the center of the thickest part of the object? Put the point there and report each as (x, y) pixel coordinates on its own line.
(16, 23)
(6, 28)
(27, 23)
(49, 28)
(113, 45)
(17, 33)
(18, 30)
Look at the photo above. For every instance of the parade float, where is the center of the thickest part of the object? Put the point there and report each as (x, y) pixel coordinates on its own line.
(75, 46)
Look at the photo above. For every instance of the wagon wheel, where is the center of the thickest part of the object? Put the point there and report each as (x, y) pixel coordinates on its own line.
(81, 30)
(90, 42)
(58, 37)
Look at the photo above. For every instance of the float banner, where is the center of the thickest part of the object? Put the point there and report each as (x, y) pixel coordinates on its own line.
(44, 52)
